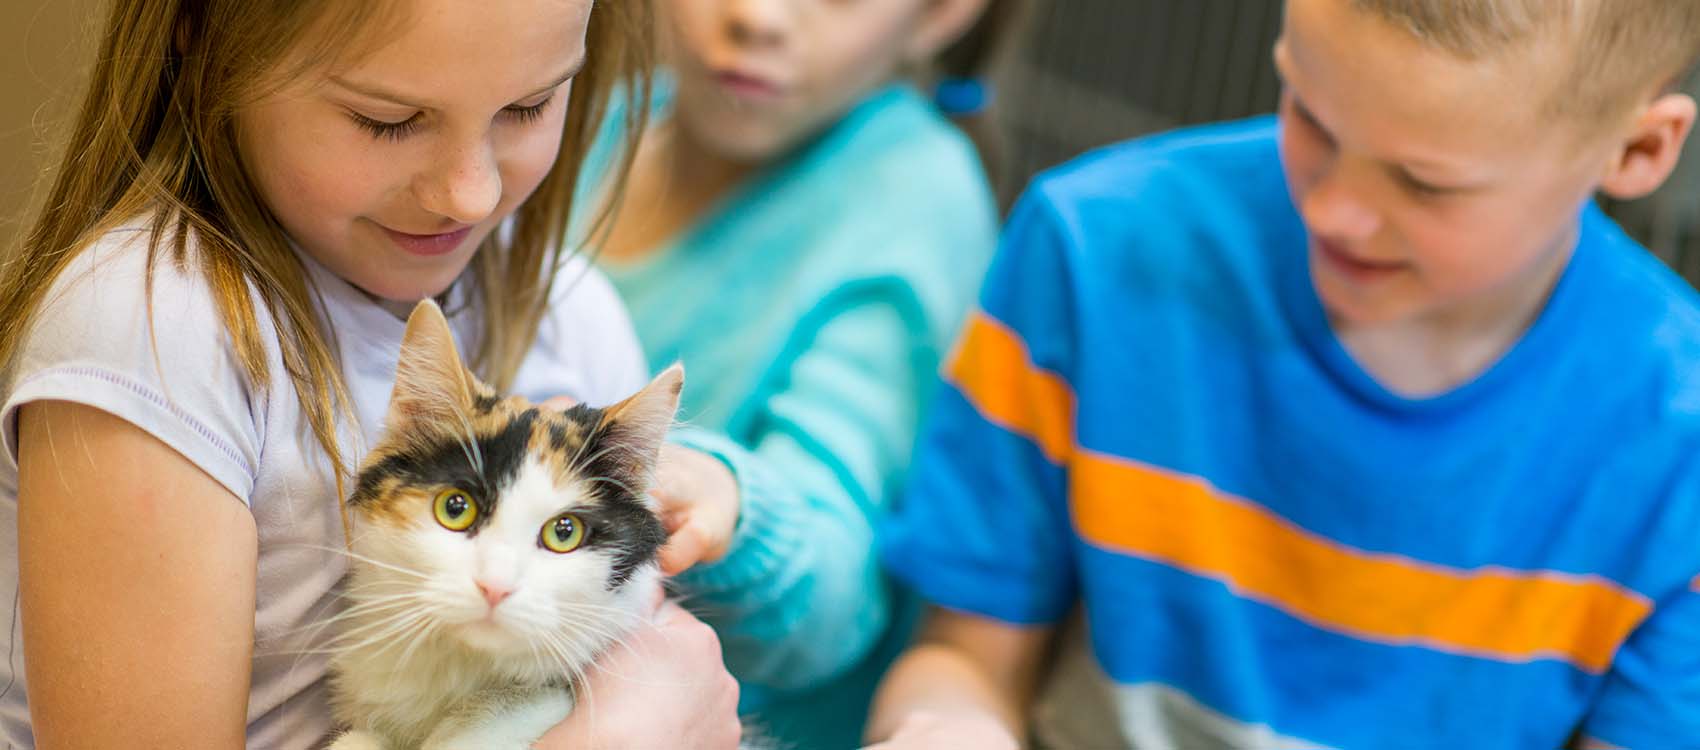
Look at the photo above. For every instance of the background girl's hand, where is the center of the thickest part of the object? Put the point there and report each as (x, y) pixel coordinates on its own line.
(699, 505)
(926, 731)
(664, 685)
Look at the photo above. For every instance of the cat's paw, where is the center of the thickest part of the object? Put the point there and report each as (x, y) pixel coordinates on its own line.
(357, 740)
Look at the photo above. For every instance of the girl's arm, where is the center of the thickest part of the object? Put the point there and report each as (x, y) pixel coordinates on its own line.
(136, 582)
(787, 568)
(966, 683)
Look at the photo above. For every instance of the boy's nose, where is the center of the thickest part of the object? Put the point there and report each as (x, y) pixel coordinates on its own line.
(466, 186)
(757, 23)
(1331, 209)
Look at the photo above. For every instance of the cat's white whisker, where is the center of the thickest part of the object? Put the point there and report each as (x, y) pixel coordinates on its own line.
(469, 442)
(617, 483)
(380, 630)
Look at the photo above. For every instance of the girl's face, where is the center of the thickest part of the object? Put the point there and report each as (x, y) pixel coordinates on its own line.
(757, 77)
(391, 171)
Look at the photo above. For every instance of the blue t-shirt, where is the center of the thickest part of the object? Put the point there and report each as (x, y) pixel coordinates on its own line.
(1151, 418)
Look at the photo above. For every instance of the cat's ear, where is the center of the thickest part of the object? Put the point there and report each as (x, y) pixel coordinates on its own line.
(637, 425)
(432, 388)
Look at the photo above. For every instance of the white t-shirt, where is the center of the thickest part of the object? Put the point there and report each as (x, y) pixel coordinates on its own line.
(91, 345)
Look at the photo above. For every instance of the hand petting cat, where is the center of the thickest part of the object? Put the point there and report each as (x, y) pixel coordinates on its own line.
(675, 662)
(699, 507)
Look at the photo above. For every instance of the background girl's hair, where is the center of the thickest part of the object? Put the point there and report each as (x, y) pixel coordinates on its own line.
(973, 57)
(155, 136)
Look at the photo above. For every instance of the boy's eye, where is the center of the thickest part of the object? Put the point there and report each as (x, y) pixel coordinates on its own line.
(1309, 121)
(394, 131)
(1419, 188)
(454, 510)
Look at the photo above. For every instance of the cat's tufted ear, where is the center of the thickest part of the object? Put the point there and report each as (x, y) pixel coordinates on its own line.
(636, 426)
(432, 388)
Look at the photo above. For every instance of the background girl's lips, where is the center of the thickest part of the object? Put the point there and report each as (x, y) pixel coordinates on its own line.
(748, 85)
(428, 245)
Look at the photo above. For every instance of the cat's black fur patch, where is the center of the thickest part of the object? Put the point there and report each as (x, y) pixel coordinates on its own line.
(445, 463)
(621, 521)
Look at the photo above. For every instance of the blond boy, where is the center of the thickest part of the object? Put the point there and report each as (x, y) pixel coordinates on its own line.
(1358, 427)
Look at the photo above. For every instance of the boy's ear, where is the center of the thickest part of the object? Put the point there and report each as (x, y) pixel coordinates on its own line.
(1648, 155)
(942, 22)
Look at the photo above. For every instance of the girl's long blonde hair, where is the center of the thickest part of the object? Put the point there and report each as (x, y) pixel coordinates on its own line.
(156, 136)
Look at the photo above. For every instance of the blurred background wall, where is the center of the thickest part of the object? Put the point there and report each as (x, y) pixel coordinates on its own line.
(1087, 73)
(1092, 72)
(43, 56)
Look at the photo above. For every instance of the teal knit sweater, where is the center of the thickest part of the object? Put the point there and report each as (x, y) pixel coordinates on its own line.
(811, 309)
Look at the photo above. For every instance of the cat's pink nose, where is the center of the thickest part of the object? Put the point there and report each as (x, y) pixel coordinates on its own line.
(493, 593)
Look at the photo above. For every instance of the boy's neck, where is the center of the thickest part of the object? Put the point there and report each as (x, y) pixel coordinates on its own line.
(1434, 353)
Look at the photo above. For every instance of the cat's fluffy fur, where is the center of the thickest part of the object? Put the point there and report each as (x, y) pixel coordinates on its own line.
(473, 638)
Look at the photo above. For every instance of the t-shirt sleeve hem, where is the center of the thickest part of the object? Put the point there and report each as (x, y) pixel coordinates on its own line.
(140, 405)
(976, 592)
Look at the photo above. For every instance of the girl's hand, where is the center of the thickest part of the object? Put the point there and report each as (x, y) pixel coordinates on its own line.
(699, 504)
(926, 731)
(664, 685)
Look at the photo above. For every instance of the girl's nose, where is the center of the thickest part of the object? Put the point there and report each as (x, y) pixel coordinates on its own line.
(465, 187)
(757, 23)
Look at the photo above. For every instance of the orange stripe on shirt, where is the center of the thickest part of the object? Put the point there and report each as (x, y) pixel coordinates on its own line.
(1496, 613)
(992, 368)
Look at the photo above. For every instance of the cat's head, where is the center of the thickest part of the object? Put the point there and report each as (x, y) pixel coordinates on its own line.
(513, 529)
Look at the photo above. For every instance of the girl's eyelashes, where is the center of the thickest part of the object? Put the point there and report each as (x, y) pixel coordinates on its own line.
(393, 131)
(528, 114)
(396, 131)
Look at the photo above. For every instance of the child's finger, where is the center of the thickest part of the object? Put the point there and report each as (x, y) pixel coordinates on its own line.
(684, 549)
(559, 403)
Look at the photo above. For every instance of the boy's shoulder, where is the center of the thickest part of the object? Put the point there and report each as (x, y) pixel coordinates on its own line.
(1191, 211)
(1652, 305)
(1210, 173)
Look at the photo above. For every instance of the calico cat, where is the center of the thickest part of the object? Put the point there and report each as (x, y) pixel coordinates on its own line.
(498, 548)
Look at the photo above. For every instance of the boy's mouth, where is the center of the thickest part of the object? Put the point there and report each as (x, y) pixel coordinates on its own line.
(1356, 268)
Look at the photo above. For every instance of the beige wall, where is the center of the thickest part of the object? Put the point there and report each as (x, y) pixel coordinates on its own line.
(42, 59)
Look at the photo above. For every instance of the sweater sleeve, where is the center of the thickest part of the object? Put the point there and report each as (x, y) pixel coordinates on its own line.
(818, 462)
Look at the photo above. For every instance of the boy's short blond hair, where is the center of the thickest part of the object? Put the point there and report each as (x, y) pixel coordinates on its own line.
(1611, 53)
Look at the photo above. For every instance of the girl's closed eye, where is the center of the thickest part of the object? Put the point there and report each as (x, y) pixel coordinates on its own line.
(396, 130)
(392, 130)
(528, 113)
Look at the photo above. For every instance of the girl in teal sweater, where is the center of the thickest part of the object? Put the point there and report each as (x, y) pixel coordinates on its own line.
(804, 232)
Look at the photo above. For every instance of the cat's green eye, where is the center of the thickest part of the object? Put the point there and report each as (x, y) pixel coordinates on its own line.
(454, 510)
(564, 533)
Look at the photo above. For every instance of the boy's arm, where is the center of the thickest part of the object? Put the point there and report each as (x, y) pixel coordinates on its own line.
(1651, 696)
(984, 531)
(966, 683)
